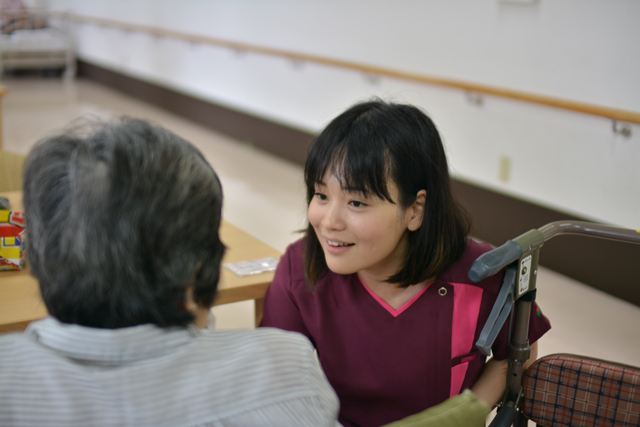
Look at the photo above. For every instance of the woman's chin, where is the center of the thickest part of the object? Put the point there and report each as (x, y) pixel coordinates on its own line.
(340, 268)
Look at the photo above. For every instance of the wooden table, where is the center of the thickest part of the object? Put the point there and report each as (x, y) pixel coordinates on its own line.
(20, 301)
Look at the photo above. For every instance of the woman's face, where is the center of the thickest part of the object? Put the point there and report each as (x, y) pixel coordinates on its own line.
(360, 233)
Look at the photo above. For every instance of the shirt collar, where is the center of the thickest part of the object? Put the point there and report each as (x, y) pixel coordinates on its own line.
(110, 346)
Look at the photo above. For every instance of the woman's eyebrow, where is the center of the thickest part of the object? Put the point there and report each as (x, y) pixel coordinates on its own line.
(356, 193)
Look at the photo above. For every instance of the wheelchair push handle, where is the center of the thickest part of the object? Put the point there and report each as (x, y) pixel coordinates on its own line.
(489, 263)
(492, 262)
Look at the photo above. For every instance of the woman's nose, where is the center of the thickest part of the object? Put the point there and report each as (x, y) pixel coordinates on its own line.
(333, 218)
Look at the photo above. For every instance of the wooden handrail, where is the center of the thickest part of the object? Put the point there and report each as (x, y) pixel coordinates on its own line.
(596, 110)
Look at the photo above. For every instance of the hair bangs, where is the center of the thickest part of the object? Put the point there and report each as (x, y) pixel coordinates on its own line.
(360, 163)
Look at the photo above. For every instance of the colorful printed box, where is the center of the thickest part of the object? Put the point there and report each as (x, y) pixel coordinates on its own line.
(12, 235)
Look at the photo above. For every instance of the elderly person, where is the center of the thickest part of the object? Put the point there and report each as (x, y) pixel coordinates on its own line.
(122, 225)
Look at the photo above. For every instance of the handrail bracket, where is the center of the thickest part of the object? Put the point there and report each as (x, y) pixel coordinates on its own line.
(622, 128)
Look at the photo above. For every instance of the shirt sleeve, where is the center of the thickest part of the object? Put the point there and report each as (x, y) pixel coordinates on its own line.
(280, 307)
(326, 397)
(538, 326)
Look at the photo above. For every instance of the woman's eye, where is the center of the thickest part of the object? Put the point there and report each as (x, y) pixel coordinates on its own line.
(357, 204)
(320, 196)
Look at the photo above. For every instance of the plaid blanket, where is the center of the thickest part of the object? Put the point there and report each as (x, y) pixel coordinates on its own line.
(570, 390)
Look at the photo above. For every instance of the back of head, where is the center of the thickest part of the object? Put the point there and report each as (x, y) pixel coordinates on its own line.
(121, 218)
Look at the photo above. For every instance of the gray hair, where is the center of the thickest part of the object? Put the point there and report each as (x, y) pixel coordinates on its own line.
(121, 217)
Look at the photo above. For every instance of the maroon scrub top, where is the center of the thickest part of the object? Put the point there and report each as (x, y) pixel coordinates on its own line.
(382, 367)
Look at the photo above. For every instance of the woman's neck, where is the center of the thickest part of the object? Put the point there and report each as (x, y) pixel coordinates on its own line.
(391, 293)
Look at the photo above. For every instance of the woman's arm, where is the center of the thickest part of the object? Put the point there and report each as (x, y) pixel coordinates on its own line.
(280, 306)
(490, 386)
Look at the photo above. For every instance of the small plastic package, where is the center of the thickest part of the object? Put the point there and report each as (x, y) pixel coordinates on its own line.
(254, 266)
(12, 235)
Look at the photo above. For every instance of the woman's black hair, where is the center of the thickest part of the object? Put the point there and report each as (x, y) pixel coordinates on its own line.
(375, 141)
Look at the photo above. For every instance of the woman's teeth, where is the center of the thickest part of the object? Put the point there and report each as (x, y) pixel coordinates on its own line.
(337, 244)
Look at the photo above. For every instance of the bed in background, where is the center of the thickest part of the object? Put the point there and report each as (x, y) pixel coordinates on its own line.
(34, 39)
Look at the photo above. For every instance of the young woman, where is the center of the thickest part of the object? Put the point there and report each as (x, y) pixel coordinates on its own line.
(379, 282)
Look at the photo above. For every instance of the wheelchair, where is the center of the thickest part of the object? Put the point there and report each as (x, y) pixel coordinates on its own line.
(560, 389)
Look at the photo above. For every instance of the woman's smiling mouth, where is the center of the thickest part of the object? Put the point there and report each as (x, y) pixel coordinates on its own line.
(338, 244)
(334, 247)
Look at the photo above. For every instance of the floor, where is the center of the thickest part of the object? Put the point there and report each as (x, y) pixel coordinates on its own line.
(264, 196)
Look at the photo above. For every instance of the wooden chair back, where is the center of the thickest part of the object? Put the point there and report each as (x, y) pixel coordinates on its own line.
(11, 171)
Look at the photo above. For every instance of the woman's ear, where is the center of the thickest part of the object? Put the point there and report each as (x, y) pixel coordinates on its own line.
(416, 211)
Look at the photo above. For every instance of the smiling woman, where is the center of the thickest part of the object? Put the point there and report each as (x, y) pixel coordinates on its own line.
(359, 232)
(366, 235)
(379, 282)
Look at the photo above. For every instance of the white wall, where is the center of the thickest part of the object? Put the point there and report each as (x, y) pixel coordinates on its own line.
(587, 51)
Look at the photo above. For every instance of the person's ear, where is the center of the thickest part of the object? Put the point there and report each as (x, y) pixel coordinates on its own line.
(200, 314)
(416, 211)
(190, 304)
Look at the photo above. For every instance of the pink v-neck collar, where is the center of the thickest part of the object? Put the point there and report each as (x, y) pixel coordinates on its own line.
(395, 312)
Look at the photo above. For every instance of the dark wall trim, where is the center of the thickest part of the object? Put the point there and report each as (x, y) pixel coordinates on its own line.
(608, 266)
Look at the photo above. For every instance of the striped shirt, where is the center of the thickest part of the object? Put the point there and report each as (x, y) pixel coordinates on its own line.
(57, 374)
